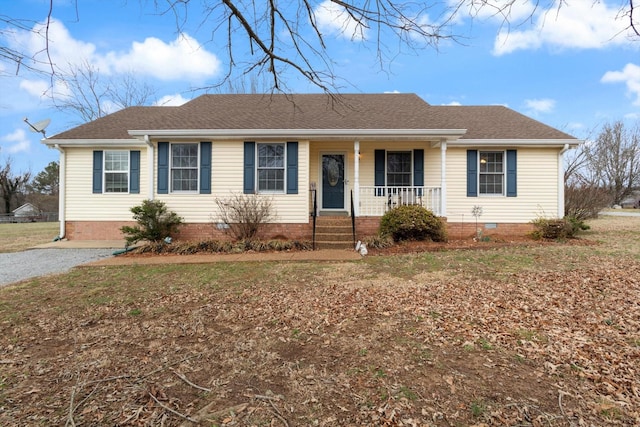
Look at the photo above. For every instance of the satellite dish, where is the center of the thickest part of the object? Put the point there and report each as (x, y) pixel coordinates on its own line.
(38, 127)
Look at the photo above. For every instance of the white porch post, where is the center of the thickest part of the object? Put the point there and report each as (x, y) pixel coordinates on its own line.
(443, 178)
(356, 177)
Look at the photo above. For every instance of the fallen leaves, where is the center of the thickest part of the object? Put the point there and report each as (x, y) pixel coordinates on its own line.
(388, 342)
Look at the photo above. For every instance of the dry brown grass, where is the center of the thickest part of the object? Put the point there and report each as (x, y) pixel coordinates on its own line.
(539, 335)
(20, 236)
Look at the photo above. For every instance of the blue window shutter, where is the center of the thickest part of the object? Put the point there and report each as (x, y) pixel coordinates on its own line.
(205, 167)
(292, 168)
(512, 175)
(418, 168)
(163, 167)
(97, 172)
(134, 172)
(249, 168)
(472, 173)
(379, 171)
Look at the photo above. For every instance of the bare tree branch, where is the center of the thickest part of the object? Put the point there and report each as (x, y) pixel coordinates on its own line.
(289, 37)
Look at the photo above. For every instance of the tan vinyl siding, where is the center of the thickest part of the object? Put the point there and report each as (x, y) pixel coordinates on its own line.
(227, 180)
(537, 189)
(82, 204)
(367, 162)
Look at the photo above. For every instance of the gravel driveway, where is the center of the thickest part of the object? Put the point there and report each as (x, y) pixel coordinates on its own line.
(17, 266)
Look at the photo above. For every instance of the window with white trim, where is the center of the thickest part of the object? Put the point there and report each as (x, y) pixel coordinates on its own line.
(271, 168)
(399, 169)
(116, 171)
(491, 173)
(184, 167)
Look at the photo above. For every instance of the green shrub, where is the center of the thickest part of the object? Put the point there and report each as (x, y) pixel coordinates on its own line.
(155, 222)
(412, 222)
(557, 228)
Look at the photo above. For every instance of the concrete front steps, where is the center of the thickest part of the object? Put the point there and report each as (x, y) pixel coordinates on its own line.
(334, 232)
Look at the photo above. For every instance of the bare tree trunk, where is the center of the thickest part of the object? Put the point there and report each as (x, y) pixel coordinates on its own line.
(11, 185)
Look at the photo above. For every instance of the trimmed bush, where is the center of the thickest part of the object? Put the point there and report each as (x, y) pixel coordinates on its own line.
(412, 222)
(558, 228)
(155, 223)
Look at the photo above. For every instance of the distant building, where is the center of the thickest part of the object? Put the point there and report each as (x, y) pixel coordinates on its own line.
(26, 210)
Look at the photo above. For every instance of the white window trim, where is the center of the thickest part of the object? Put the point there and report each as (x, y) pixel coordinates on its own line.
(171, 169)
(386, 167)
(284, 169)
(105, 172)
(503, 173)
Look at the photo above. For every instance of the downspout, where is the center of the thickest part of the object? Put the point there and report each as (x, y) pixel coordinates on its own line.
(61, 193)
(356, 177)
(443, 178)
(561, 180)
(149, 167)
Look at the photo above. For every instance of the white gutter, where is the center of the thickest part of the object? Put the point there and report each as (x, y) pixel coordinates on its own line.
(134, 142)
(61, 192)
(561, 180)
(572, 143)
(150, 158)
(359, 134)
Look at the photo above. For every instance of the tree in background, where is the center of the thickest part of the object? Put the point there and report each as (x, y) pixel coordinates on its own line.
(87, 94)
(48, 180)
(285, 37)
(44, 188)
(613, 160)
(603, 171)
(12, 187)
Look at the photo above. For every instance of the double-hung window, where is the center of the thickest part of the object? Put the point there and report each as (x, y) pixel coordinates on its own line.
(116, 171)
(271, 168)
(184, 167)
(399, 168)
(491, 173)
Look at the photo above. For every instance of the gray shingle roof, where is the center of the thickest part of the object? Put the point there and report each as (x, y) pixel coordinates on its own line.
(317, 111)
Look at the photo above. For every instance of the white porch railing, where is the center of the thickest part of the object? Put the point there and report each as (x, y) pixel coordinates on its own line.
(375, 201)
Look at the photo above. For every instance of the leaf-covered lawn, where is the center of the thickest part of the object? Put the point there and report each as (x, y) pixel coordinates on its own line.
(514, 335)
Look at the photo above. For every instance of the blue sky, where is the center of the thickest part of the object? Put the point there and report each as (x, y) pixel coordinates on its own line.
(574, 68)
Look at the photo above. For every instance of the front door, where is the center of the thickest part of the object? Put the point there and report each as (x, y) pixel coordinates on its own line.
(333, 181)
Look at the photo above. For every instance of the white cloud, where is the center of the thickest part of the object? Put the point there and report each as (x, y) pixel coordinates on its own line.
(580, 24)
(61, 47)
(630, 76)
(36, 88)
(453, 104)
(175, 100)
(333, 20)
(540, 105)
(496, 10)
(182, 58)
(16, 142)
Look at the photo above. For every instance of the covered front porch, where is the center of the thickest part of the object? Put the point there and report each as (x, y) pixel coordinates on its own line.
(368, 179)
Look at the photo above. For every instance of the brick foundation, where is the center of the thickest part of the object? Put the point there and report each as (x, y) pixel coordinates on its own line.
(368, 226)
(110, 230)
(365, 226)
(466, 230)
